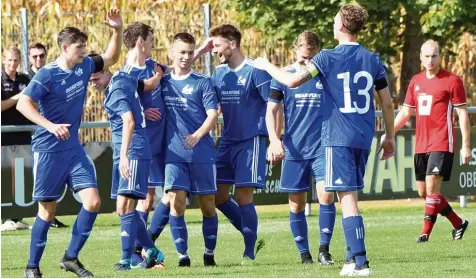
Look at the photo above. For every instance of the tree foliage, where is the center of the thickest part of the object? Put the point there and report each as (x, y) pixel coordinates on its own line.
(444, 20)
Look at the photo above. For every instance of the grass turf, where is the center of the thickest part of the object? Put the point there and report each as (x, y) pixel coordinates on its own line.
(391, 230)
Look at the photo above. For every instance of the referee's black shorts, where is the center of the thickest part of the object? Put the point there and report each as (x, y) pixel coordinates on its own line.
(433, 163)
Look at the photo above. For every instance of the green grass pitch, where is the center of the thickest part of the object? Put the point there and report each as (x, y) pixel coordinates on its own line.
(391, 230)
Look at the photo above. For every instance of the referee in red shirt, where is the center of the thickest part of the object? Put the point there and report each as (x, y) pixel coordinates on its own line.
(434, 93)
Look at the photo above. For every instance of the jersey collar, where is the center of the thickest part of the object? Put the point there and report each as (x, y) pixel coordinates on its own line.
(240, 66)
(175, 77)
(349, 44)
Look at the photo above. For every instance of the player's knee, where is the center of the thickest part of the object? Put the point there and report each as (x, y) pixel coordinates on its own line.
(326, 197)
(208, 210)
(177, 206)
(244, 195)
(93, 204)
(220, 199)
(297, 207)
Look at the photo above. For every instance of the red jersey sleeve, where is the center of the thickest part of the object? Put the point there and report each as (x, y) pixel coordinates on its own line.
(457, 92)
(410, 96)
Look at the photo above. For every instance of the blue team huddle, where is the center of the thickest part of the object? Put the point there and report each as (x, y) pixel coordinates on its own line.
(161, 118)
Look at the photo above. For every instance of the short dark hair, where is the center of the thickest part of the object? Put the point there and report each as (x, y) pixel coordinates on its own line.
(308, 38)
(38, 46)
(184, 37)
(71, 35)
(227, 31)
(353, 18)
(133, 32)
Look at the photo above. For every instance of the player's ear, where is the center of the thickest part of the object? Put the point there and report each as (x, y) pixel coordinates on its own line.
(233, 44)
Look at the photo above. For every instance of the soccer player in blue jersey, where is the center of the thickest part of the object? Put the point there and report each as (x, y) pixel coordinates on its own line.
(302, 150)
(349, 73)
(132, 153)
(59, 90)
(192, 106)
(243, 92)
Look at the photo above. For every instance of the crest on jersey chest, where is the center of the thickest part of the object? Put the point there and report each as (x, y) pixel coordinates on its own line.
(187, 89)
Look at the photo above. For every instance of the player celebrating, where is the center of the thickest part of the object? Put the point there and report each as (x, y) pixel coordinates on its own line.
(302, 149)
(59, 89)
(243, 92)
(433, 93)
(348, 74)
(190, 157)
(132, 152)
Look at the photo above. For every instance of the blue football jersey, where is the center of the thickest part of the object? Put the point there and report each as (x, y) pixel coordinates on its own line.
(348, 73)
(155, 129)
(303, 116)
(122, 97)
(243, 93)
(60, 95)
(187, 99)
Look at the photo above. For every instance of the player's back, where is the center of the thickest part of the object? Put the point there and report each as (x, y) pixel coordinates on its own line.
(121, 97)
(348, 73)
(154, 99)
(60, 95)
(187, 99)
(303, 116)
(242, 99)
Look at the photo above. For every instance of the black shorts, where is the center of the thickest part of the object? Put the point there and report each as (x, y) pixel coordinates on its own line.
(433, 163)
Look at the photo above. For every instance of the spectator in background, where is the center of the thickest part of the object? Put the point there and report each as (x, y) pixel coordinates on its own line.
(37, 56)
(13, 83)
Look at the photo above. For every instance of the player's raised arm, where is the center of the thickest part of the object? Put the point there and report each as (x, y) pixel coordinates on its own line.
(113, 51)
(291, 80)
(207, 46)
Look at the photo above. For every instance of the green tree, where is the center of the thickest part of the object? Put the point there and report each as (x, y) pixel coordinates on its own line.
(393, 26)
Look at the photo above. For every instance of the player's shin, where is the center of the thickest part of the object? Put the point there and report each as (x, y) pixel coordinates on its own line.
(39, 234)
(128, 234)
(327, 216)
(355, 238)
(249, 223)
(298, 224)
(81, 230)
(159, 220)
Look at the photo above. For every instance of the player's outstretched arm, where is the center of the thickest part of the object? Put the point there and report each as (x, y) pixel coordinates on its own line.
(151, 84)
(291, 80)
(113, 51)
(127, 131)
(463, 117)
(27, 107)
(191, 140)
(275, 150)
(388, 142)
(207, 46)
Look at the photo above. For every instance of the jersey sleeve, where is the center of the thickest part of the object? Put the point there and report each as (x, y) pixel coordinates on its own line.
(457, 92)
(209, 95)
(119, 102)
(213, 80)
(39, 86)
(320, 61)
(277, 92)
(410, 96)
(261, 81)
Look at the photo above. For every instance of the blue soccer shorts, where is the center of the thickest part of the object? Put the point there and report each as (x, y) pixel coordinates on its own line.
(345, 168)
(242, 163)
(157, 171)
(136, 185)
(53, 170)
(296, 174)
(193, 178)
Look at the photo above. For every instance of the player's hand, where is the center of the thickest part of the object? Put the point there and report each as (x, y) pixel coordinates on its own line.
(114, 19)
(61, 131)
(388, 147)
(191, 140)
(261, 63)
(124, 167)
(152, 114)
(275, 152)
(465, 154)
(207, 46)
(152, 83)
